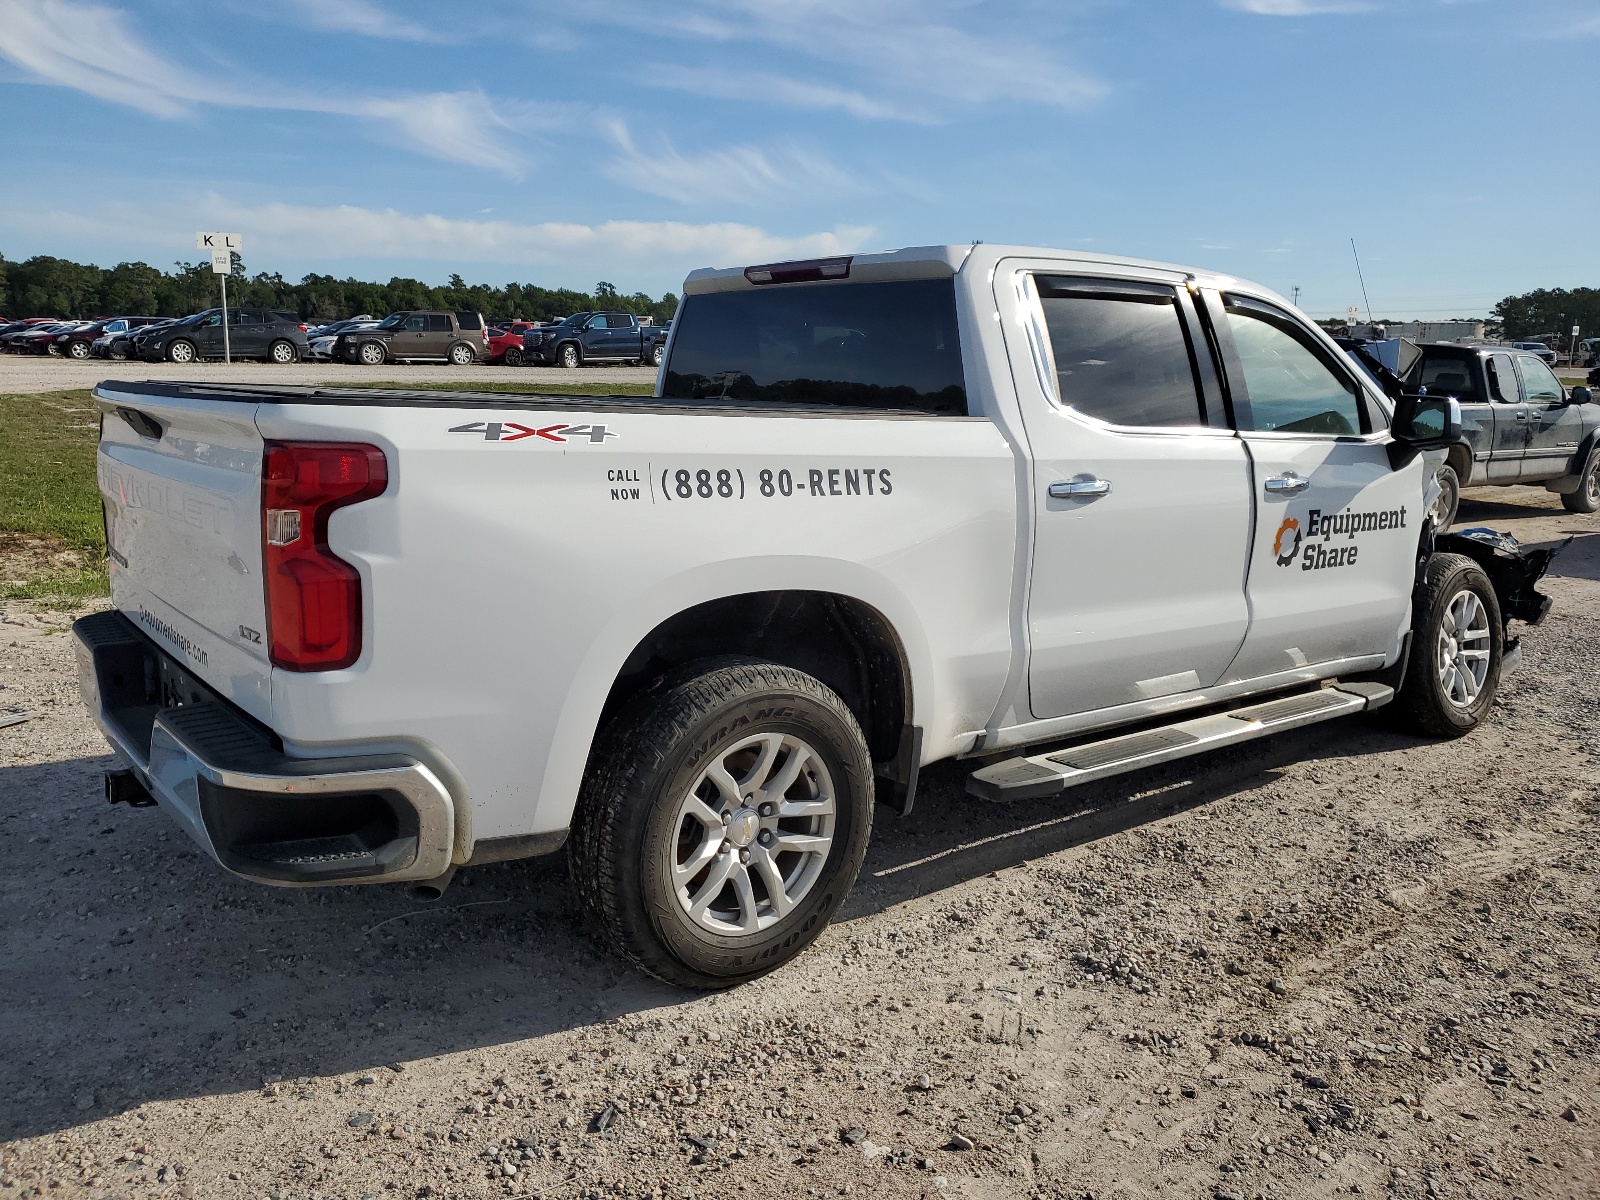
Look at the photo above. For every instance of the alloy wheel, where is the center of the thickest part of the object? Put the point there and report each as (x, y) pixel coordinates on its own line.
(1462, 652)
(753, 834)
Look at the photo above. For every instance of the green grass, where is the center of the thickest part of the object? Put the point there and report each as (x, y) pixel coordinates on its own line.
(48, 495)
(519, 389)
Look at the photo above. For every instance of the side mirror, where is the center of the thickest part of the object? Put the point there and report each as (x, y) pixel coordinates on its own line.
(1423, 423)
(1580, 395)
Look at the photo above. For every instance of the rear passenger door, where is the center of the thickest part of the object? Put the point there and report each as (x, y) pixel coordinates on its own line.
(1141, 495)
(1554, 427)
(1510, 419)
(1336, 527)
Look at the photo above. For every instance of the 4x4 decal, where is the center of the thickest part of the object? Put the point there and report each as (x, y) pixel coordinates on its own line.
(510, 431)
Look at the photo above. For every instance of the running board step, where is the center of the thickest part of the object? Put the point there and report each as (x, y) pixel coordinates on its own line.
(1029, 777)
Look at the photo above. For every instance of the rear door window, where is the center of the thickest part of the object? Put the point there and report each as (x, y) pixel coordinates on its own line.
(1290, 383)
(619, 321)
(438, 323)
(1503, 379)
(891, 345)
(1120, 351)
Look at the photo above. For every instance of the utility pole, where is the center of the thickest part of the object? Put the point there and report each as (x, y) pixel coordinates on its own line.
(1297, 295)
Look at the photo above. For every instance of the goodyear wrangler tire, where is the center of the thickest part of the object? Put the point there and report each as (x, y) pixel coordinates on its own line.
(723, 818)
(1457, 643)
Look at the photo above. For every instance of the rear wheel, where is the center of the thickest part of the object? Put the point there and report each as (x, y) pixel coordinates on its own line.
(1457, 643)
(569, 357)
(722, 820)
(181, 352)
(1587, 498)
(461, 355)
(372, 354)
(1448, 501)
(281, 352)
(657, 353)
(512, 357)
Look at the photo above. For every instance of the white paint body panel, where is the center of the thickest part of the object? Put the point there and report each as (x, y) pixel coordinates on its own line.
(504, 583)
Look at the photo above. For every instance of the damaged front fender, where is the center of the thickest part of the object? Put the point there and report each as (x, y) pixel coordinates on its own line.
(1512, 568)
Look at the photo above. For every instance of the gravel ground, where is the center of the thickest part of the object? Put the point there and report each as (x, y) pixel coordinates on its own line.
(1339, 961)
(19, 373)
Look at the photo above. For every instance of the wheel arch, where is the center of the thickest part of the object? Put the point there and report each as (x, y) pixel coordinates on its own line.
(1459, 459)
(857, 635)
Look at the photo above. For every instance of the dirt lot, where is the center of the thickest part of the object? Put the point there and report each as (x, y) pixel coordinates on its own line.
(1342, 961)
(20, 373)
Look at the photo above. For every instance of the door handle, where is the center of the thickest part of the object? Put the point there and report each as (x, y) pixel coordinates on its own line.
(1287, 484)
(1522, 416)
(1081, 487)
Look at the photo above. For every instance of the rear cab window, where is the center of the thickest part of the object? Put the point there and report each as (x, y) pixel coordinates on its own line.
(889, 345)
(1447, 373)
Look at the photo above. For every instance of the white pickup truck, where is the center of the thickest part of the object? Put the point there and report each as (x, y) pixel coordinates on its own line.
(1060, 515)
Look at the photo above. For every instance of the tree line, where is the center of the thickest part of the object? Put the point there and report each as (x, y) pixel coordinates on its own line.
(1550, 311)
(44, 286)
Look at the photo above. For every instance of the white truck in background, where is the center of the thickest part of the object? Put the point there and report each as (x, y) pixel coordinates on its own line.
(1061, 515)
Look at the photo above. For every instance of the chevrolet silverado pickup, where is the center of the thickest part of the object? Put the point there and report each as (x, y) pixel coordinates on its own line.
(1058, 515)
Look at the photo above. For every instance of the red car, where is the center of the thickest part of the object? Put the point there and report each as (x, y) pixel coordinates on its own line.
(505, 343)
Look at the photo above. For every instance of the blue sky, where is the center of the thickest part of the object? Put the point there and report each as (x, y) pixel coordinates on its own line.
(564, 143)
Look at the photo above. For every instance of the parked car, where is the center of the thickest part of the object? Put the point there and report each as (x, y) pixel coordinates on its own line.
(123, 345)
(278, 337)
(323, 340)
(454, 337)
(891, 531)
(1539, 348)
(40, 339)
(505, 343)
(11, 342)
(594, 337)
(1519, 425)
(78, 343)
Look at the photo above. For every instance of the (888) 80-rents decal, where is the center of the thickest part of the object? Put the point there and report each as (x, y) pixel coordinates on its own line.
(1315, 555)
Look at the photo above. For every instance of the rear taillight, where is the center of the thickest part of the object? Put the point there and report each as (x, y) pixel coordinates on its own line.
(313, 596)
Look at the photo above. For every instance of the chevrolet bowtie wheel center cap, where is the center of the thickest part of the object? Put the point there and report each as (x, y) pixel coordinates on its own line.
(743, 825)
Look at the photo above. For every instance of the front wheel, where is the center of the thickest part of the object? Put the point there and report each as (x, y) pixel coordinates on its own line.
(371, 354)
(570, 358)
(1587, 498)
(281, 352)
(1457, 643)
(78, 350)
(722, 820)
(461, 355)
(181, 352)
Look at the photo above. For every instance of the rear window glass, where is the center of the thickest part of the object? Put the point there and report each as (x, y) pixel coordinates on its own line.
(891, 345)
(1120, 351)
(1445, 375)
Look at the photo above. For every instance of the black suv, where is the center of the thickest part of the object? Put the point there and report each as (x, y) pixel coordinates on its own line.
(460, 338)
(278, 337)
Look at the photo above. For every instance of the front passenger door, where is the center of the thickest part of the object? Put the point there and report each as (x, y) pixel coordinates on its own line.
(1554, 427)
(1336, 527)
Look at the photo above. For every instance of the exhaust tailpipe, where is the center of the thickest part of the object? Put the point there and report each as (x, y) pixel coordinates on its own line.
(432, 889)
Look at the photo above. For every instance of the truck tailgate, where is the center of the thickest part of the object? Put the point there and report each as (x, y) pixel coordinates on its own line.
(181, 480)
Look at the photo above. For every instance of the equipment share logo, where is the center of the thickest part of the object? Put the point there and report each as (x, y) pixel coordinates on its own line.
(1287, 544)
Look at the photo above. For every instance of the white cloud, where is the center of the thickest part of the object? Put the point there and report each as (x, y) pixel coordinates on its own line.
(89, 48)
(362, 17)
(908, 59)
(1297, 8)
(741, 174)
(348, 232)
